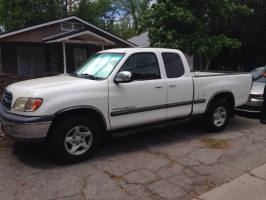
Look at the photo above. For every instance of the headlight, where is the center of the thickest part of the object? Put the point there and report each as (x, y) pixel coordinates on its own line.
(25, 104)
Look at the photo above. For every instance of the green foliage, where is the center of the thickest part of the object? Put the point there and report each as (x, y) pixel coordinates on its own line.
(196, 27)
(122, 28)
(101, 13)
(15, 14)
(209, 28)
(118, 16)
(133, 9)
(251, 32)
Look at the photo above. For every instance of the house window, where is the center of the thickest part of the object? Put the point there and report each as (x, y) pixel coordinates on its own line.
(31, 61)
(71, 26)
(80, 56)
(55, 62)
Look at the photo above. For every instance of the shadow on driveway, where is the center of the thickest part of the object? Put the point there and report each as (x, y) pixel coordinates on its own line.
(37, 156)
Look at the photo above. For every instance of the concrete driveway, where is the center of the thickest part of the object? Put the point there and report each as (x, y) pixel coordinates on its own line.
(174, 162)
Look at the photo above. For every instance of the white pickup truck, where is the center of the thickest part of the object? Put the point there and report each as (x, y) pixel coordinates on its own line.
(116, 90)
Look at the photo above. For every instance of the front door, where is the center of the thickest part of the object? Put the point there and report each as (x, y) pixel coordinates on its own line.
(142, 100)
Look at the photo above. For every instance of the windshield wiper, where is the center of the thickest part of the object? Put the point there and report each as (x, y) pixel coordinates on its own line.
(89, 76)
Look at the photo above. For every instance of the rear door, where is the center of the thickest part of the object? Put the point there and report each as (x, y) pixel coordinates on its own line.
(179, 86)
(142, 100)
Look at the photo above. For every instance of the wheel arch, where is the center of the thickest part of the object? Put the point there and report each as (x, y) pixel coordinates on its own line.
(228, 96)
(90, 111)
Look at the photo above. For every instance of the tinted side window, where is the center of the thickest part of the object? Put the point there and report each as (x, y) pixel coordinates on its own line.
(143, 66)
(173, 65)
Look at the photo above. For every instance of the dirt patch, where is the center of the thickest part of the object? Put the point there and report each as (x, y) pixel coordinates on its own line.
(215, 143)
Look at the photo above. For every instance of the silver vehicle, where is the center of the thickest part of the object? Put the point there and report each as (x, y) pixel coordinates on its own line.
(255, 101)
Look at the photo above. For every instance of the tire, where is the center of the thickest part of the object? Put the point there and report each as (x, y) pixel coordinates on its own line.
(217, 115)
(74, 138)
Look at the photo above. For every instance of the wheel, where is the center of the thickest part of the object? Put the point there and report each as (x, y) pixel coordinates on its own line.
(74, 138)
(217, 116)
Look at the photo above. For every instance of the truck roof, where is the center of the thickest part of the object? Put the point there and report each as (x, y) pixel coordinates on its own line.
(133, 50)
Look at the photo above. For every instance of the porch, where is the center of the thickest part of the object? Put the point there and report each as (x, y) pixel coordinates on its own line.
(55, 47)
(44, 59)
(56, 55)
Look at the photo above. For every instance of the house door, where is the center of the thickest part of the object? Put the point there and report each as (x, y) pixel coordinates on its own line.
(31, 61)
(80, 56)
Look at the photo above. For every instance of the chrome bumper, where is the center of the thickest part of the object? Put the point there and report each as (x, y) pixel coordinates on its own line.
(255, 102)
(24, 128)
(252, 106)
(247, 110)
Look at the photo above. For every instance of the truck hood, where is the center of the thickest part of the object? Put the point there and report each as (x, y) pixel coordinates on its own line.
(47, 82)
(258, 88)
(60, 92)
(51, 86)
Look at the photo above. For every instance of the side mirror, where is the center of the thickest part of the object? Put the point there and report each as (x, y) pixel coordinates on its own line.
(123, 77)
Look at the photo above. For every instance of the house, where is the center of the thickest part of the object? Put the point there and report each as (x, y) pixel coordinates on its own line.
(143, 40)
(58, 46)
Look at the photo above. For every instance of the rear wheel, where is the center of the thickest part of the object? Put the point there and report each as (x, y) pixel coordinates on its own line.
(74, 138)
(217, 115)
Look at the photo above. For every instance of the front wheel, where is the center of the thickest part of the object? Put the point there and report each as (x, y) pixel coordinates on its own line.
(74, 138)
(217, 116)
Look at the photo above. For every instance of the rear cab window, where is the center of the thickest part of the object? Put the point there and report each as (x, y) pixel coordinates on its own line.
(173, 65)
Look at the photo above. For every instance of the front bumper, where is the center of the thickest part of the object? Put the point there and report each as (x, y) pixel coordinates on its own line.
(24, 128)
(252, 106)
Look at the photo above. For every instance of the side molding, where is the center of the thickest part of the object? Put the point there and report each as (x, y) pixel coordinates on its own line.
(158, 107)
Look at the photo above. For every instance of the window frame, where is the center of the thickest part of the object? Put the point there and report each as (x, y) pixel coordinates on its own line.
(157, 60)
(184, 70)
(72, 24)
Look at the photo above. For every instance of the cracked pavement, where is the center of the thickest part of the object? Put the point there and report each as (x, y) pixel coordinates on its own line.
(169, 162)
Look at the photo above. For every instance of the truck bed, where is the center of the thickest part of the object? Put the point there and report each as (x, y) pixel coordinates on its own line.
(206, 84)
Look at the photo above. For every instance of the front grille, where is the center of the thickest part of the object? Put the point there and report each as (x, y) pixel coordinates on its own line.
(7, 100)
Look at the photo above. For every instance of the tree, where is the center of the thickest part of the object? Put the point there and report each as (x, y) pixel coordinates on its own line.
(112, 15)
(251, 32)
(122, 28)
(134, 9)
(16, 14)
(196, 27)
(120, 17)
(101, 12)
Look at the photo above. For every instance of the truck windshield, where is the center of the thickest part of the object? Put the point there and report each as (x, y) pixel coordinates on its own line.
(99, 66)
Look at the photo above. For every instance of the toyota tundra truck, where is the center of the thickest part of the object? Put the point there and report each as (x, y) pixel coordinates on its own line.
(114, 91)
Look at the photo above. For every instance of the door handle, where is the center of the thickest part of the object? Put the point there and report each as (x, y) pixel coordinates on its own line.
(172, 86)
(158, 87)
